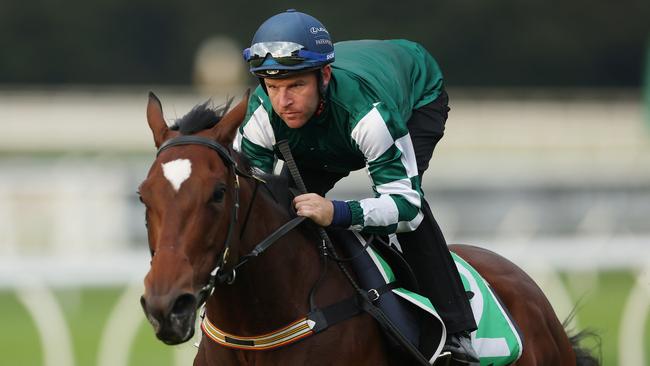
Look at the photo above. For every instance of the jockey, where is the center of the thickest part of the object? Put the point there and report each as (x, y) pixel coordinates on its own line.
(382, 105)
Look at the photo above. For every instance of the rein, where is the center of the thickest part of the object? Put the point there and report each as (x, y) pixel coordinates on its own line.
(318, 319)
(364, 300)
(219, 274)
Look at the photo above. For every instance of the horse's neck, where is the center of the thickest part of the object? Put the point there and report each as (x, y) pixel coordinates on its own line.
(270, 290)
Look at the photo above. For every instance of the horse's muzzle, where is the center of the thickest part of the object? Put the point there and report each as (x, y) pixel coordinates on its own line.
(173, 321)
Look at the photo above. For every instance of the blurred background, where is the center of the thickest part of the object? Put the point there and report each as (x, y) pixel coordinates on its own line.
(546, 158)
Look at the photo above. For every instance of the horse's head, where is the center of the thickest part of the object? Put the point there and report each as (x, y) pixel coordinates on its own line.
(190, 194)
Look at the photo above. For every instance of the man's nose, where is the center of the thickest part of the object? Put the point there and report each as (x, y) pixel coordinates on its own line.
(285, 98)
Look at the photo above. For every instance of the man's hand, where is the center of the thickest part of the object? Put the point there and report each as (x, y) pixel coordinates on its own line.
(315, 207)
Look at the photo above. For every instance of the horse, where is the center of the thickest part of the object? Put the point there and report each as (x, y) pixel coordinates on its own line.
(206, 213)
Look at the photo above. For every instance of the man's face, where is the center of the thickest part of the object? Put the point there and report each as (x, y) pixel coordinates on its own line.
(295, 98)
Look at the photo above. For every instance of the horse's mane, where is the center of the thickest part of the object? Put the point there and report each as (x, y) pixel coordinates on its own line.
(204, 116)
(276, 186)
(201, 117)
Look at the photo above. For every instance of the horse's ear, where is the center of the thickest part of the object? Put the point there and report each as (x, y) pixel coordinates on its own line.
(156, 120)
(225, 131)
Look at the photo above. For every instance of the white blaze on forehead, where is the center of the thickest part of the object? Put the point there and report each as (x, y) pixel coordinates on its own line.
(177, 172)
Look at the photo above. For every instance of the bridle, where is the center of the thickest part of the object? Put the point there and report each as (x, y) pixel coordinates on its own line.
(318, 319)
(220, 273)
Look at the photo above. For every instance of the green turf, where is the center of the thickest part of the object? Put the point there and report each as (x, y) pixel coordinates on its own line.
(600, 309)
(19, 339)
(148, 350)
(603, 312)
(86, 312)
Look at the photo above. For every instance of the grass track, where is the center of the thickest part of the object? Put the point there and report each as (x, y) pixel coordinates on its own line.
(86, 312)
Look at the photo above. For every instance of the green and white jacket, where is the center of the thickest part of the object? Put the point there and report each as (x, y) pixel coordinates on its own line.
(375, 86)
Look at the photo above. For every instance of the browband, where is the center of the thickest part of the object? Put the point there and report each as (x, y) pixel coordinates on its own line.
(198, 140)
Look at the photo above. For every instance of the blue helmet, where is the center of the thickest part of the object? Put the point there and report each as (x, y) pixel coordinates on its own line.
(287, 43)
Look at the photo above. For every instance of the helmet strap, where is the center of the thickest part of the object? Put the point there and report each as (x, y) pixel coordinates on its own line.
(321, 107)
(322, 90)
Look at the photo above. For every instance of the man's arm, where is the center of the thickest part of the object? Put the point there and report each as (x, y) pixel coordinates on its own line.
(391, 163)
(255, 138)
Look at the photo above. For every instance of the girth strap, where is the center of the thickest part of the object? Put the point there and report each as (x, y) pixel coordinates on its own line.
(315, 322)
(335, 313)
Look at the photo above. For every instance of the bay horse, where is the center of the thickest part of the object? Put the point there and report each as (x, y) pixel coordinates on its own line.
(205, 212)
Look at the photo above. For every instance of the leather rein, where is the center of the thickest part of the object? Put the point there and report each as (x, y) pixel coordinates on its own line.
(318, 319)
(222, 273)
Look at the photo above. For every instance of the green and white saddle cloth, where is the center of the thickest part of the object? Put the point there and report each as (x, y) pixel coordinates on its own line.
(497, 340)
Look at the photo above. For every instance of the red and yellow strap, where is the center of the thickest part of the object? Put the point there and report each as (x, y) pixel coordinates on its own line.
(291, 333)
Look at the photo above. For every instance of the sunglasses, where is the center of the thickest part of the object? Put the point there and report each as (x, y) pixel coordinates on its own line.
(284, 53)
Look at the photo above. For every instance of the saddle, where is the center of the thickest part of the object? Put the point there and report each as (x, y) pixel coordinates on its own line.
(378, 267)
(354, 248)
(396, 261)
(497, 339)
(400, 311)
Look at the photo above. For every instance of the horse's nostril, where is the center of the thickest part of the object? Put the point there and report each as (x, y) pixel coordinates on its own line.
(184, 304)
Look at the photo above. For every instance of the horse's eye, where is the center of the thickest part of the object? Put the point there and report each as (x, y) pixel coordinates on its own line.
(217, 195)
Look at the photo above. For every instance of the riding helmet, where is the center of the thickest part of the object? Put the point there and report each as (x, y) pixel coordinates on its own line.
(289, 43)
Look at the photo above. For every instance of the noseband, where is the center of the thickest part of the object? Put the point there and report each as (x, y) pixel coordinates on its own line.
(219, 273)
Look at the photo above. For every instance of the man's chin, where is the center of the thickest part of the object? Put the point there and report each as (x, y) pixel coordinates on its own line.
(294, 121)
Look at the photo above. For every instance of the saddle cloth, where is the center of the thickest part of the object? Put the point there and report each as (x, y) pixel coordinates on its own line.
(497, 339)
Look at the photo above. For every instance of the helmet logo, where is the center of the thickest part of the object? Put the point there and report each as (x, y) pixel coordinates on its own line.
(315, 30)
(272, 72)
(323, 41)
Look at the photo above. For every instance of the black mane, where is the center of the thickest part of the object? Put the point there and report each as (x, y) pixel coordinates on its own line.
(204, 116)
(201, 117)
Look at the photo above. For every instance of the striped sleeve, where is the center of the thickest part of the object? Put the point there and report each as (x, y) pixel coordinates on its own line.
(255, 138)
(392, 167)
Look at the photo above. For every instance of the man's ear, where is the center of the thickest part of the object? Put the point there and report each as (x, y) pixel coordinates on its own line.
(156, 120)
(326, 74)
(226, 129)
